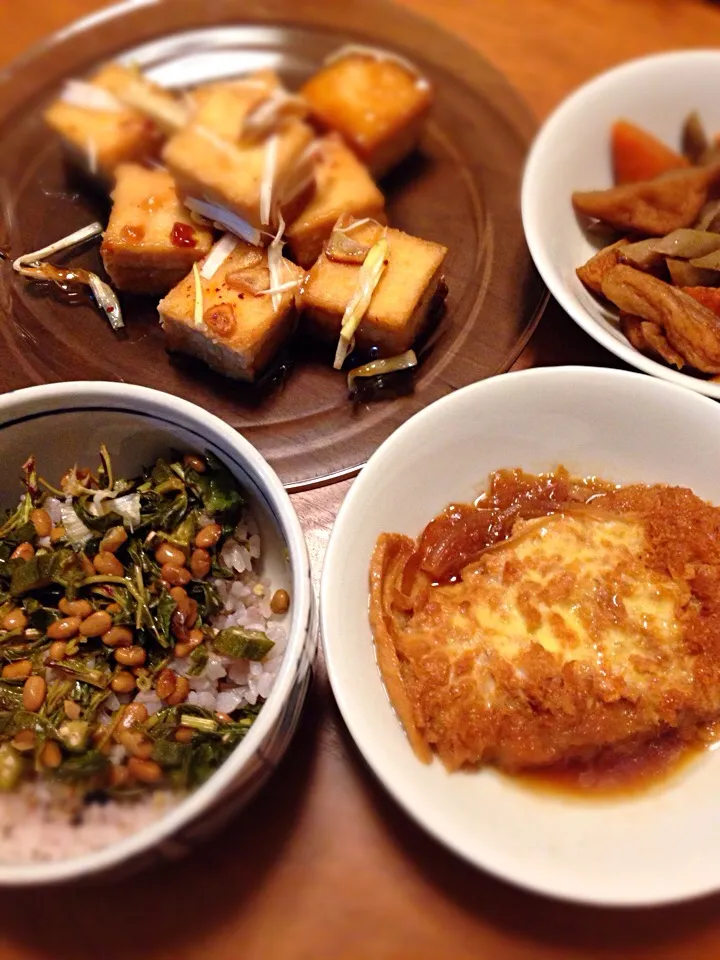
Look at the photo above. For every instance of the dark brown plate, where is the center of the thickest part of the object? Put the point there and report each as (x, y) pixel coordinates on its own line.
(461, 188)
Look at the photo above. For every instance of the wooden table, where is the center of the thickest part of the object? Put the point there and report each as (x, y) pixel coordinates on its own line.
(323, 864)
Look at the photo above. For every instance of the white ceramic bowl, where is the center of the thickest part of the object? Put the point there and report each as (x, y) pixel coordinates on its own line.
(572, 152)
(657, 846)
(66, 423)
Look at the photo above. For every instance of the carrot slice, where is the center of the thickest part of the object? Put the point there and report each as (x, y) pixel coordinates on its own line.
(638, 155)
(708, 296)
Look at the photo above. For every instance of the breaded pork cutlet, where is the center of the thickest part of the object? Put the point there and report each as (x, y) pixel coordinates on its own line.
(587, 629)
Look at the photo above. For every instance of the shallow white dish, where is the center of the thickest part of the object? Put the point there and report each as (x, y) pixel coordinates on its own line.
(572, 152)
(654, 847)
(65, 423)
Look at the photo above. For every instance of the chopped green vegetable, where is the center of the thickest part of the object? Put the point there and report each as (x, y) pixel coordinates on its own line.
(83, 767)
(75, 734)
(169, 753)
(10, 695)
(198, 660)
(132, 600)
(219, 492)
(199, 723)
(63, 567)
(11, 767)
(242, 643)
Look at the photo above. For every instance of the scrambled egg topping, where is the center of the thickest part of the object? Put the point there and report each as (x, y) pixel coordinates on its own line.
(579, 587)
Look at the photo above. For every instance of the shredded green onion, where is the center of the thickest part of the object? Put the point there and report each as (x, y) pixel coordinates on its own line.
(403, 361)
(198, 311)
(199, 723)
(368, 278)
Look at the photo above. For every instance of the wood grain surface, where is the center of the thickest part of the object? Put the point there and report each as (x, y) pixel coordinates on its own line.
(323, 864)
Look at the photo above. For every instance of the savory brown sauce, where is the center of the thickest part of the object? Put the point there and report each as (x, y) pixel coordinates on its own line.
(65, 278)
(613, 774)
(69, 284)
(463, 531)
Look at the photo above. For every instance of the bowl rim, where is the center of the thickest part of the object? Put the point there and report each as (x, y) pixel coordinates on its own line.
(38, 400)
(577, 376)
(532, 184)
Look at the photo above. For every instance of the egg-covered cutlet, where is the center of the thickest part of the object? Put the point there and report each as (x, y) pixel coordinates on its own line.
(230, 321)
(591, 628)
(150, 242)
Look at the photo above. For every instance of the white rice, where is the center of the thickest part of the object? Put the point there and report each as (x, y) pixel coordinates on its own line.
(44, 820)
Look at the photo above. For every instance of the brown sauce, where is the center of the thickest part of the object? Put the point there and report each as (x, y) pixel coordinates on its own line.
(620, 774)
(131, 234)
(463, 531)
(63, 277)
(69, 282)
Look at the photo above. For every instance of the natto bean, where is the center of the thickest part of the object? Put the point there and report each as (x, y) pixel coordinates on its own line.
(40, 519)
(64, 629)
(96, 624)
(108, 564)
(34, 691)
(208, 536)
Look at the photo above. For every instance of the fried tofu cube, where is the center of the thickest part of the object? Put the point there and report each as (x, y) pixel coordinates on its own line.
(223, 105)
(377, 104)
(400, 305)
(212, 163)
(342, 185)
(101, 139)
(241, 330)
(150, 242)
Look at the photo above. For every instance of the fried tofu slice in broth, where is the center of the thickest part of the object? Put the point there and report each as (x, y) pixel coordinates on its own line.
(100, 140)
(378, 105)
(233, 326)
(343, 185)
(598, 266)
(648, 338)
(659, 344)
(150, 242)
(690, 328)
(212, 161)
(652, 207)
(401, 303)
(631, 326)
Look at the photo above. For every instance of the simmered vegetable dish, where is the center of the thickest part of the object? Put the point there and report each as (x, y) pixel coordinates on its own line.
(663, 272)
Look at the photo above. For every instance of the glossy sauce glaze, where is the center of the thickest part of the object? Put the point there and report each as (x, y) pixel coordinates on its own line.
(69, 282)
(462, 532)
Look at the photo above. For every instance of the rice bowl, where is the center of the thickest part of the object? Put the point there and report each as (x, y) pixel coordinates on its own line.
(78, 837)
